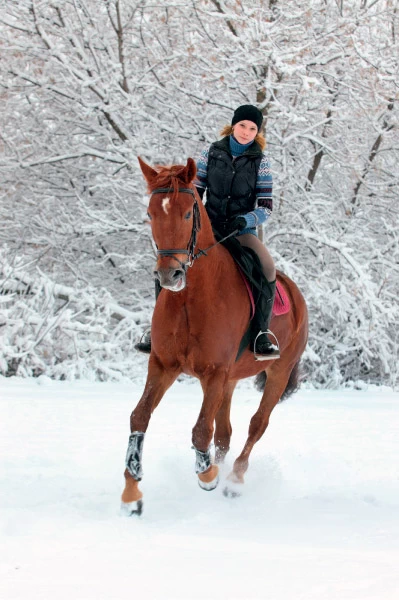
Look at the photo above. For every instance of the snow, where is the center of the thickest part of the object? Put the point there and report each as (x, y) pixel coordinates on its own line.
(318, 519)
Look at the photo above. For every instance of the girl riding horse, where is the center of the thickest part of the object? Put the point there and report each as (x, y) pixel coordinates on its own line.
(235, 174)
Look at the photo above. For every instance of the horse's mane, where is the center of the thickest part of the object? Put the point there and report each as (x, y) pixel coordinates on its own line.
(168, 177)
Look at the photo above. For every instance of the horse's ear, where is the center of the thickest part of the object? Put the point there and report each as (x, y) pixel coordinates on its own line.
(148, 172)
(190, 170)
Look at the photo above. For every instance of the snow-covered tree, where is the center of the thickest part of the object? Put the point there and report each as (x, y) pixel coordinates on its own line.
(88, 85)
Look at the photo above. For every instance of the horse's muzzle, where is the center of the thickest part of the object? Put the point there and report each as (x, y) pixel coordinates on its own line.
(171, 279)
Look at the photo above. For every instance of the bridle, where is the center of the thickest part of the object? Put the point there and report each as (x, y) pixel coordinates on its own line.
(190, 250)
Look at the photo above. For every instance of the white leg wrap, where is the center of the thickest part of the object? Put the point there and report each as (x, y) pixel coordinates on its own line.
(134, 455)
(202, 460)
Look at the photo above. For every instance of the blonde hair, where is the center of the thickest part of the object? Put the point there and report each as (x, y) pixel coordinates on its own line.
(260, 138)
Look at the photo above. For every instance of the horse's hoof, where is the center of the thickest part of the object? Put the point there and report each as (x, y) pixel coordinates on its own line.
(128, 509)
(234, 488)
(208, 486)
(209, 479)
(228, 492)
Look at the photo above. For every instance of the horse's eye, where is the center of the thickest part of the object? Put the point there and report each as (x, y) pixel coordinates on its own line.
(188, 215)
(149, 216)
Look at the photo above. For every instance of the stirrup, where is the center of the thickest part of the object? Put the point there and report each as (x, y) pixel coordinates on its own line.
(144, 345)
(274, 348)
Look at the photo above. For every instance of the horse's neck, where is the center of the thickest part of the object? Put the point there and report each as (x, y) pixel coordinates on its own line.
(208, 271)
(208, 268)
(206, 237)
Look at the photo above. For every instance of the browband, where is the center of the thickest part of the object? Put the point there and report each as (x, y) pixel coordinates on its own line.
(166, 190)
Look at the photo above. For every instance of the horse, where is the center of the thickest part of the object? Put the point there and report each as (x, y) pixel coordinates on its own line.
(200, 317)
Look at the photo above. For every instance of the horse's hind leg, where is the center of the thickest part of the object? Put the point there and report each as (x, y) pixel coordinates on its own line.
(223, 428)
(277, 379)
(159, 380)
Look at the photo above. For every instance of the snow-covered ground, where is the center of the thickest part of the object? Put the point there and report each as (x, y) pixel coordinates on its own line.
(319, 518)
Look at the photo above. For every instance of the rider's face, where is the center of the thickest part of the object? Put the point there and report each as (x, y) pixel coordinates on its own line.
(245, 131)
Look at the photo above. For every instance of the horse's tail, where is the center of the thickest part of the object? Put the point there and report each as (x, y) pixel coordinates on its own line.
(291, 387)
(293, 383)
(260, 381)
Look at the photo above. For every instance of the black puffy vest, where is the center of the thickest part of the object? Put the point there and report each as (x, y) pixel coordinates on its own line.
(231, 186)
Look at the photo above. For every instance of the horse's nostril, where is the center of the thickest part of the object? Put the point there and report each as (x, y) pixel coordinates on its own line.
(156, 274)
(177, 274)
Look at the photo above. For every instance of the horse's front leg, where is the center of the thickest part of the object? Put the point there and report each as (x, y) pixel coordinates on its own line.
(223, 429)
(159, 380)
(213, 386)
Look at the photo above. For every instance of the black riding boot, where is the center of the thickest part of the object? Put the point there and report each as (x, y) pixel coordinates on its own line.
(144, 345)
(264, 349)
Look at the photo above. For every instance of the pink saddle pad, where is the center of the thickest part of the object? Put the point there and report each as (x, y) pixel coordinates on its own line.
(281, 304)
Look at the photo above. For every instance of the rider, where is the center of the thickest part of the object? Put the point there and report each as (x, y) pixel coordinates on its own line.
(235, 173)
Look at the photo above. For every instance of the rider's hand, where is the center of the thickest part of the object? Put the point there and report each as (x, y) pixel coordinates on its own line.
(237, 224)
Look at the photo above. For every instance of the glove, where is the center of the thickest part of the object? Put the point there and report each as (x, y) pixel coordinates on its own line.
(237, 223)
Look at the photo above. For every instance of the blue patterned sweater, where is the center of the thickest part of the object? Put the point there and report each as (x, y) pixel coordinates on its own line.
(264, 183)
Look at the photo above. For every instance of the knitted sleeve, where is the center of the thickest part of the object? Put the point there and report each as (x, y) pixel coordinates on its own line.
(264, 187)
(201, 180)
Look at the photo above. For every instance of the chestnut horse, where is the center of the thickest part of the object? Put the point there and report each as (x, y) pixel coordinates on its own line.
(199, 320)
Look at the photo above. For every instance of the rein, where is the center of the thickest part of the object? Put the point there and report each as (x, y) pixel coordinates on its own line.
(190, 250)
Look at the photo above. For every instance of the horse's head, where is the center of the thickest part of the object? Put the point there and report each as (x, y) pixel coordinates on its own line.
(174, 215)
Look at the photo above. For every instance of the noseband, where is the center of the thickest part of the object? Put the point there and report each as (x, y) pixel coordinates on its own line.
(189, 251)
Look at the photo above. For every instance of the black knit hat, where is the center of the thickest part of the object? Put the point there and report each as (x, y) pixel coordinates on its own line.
(247, 112)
